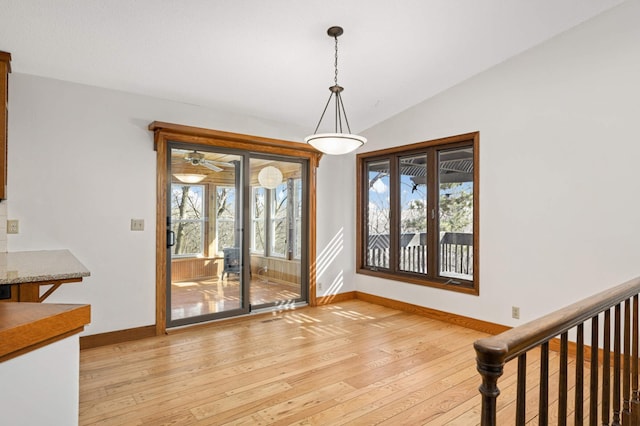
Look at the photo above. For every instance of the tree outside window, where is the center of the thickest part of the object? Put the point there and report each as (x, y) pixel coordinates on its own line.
(225, 217)
(258, 215)
(187, 219)
(297, 218)
(278, 219)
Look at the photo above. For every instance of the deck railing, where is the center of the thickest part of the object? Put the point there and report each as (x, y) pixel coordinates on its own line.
(611, 397)
(456, 255)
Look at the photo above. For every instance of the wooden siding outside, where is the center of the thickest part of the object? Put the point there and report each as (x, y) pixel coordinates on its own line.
(198, 267)
(281, 270)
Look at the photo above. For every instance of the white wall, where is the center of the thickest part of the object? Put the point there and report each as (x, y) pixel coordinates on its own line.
(558, 148)
(559, 161)
(335, 230)
(81, 165)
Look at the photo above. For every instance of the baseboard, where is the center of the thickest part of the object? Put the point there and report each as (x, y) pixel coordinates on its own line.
(120, 336)
(335, 298)
(472, 323)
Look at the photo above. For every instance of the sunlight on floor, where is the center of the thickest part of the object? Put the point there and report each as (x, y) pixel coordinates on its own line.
(212, 295)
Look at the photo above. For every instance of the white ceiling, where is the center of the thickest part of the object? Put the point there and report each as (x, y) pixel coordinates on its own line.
(273, 59)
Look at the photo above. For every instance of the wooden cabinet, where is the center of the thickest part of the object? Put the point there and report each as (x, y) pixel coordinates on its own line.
(5, 69)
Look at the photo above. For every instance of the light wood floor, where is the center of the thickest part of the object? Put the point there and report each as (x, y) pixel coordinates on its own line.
(350, 363)
(215, 294)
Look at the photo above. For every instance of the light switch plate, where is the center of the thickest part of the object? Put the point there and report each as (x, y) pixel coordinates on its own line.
(137, 224)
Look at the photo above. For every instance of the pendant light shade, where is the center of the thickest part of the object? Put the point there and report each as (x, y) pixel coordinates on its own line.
(189, 177)
(335, 143)
(270, 177)
(339, 142)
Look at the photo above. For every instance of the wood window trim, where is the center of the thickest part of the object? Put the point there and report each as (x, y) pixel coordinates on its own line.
(166, 132)
(5, 70)
(473, 139)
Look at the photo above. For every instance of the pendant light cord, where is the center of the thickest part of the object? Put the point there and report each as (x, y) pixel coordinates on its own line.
(335, 64)
(335, 92)
(338, 142)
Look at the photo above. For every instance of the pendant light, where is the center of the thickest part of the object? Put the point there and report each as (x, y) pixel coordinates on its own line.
(336, 143)
(270, 177)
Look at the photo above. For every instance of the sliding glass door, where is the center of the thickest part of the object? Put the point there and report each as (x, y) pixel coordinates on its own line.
(277, 232)
(204, 235)
(236, 233)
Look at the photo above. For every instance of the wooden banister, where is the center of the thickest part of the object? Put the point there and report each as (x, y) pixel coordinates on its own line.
(494, 352)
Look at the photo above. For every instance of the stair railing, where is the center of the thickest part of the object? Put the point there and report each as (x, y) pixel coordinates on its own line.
(612, 393)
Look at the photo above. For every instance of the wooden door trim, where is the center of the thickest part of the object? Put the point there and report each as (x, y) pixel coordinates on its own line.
(165, 132)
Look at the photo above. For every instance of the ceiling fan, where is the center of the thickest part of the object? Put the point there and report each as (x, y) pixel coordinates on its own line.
(196, 158)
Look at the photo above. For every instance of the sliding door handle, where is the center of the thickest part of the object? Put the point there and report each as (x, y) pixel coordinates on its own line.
(171, 238)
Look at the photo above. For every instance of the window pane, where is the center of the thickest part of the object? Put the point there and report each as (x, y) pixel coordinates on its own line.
(412, 254)
(455, 206)
(279, 220)
(186, 201)
(187, 219)
(225, 234)
(258, 217)
(297, 214)
(378, 215)
(188, 238)
(225, 216)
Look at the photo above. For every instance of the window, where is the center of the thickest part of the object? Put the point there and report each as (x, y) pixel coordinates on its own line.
(281, 209)
(418, 213)
(187, 220)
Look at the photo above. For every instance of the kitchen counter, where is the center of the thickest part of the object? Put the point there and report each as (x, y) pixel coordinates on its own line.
(26, 271)
(28, 326)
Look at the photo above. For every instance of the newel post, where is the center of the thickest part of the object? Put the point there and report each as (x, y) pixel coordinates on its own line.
(490, 364)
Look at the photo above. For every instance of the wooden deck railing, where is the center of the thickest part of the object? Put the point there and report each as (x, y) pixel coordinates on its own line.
(456, 255)
(612, 391)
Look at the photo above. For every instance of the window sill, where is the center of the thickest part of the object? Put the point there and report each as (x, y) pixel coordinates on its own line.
(465, 287)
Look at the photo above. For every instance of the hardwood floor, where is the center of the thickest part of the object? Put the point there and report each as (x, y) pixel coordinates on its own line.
(351, 363)
(214, 294)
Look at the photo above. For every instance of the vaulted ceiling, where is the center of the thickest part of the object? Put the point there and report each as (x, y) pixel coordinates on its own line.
(273, 59)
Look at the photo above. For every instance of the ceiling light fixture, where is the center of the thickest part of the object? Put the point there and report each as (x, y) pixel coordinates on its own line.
(189, 177)
(336, 143)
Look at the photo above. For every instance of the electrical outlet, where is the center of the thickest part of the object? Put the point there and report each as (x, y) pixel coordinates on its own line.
(515, 312)
(320, 286)
(137, 224)
(13, 226)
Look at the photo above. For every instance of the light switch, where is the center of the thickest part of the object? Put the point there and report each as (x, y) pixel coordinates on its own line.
(137, 224)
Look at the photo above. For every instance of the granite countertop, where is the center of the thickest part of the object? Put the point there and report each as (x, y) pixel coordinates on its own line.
(45, 265)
